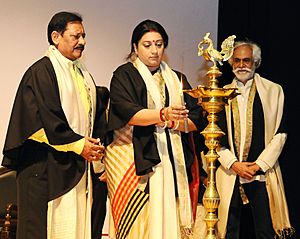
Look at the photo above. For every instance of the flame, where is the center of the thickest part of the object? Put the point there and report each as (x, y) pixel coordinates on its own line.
(181, 84)
(181, 91)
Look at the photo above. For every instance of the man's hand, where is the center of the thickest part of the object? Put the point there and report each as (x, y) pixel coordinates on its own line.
(245, 169)
(93, 150)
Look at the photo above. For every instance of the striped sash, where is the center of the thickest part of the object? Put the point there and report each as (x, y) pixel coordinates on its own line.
(125, 188)
(237, 124)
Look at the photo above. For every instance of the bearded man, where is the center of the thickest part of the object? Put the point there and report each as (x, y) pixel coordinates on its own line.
(256, 133)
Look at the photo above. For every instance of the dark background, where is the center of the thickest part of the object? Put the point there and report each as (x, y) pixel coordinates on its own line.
(273, 25)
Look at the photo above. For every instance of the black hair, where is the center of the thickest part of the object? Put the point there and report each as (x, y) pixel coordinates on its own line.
(60, 21)
(144, 27)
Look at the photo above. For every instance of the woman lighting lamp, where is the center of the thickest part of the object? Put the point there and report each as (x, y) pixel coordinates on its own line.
(149, 156)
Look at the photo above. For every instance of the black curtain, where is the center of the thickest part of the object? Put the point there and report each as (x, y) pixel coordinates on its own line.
(273, 25)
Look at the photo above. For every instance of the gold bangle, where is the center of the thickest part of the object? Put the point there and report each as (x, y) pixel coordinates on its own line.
(177, 125)
(165, 125)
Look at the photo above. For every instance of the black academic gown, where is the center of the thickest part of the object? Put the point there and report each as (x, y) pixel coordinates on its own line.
(37, 105)
(128, 96)
(46, 173)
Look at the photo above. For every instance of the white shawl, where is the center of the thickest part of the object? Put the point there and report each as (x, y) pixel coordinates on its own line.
(272, 98)
(70, 98)
(69, 216)
(173, 85)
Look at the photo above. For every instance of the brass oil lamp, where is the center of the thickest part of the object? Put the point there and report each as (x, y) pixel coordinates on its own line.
(212, 99)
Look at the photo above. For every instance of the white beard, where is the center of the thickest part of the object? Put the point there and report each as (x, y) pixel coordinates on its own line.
(244, 74)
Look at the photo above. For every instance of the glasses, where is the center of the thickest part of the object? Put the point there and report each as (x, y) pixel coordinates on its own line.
(244, 60)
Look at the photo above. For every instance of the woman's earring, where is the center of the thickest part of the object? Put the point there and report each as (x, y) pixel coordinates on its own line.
(133, 55)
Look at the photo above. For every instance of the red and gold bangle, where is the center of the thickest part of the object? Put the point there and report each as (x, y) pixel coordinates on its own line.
(172, 124)
(177, 125)
(162, 116)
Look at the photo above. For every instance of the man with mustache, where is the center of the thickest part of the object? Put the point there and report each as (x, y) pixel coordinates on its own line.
(53, 137)
(249, 172)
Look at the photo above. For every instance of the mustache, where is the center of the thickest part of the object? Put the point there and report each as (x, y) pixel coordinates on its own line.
(80, 47)
(242, 69)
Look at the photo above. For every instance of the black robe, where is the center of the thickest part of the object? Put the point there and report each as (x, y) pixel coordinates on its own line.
(37, 105)
(128, 96)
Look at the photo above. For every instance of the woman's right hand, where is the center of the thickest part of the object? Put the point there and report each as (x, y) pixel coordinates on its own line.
(176, 112)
